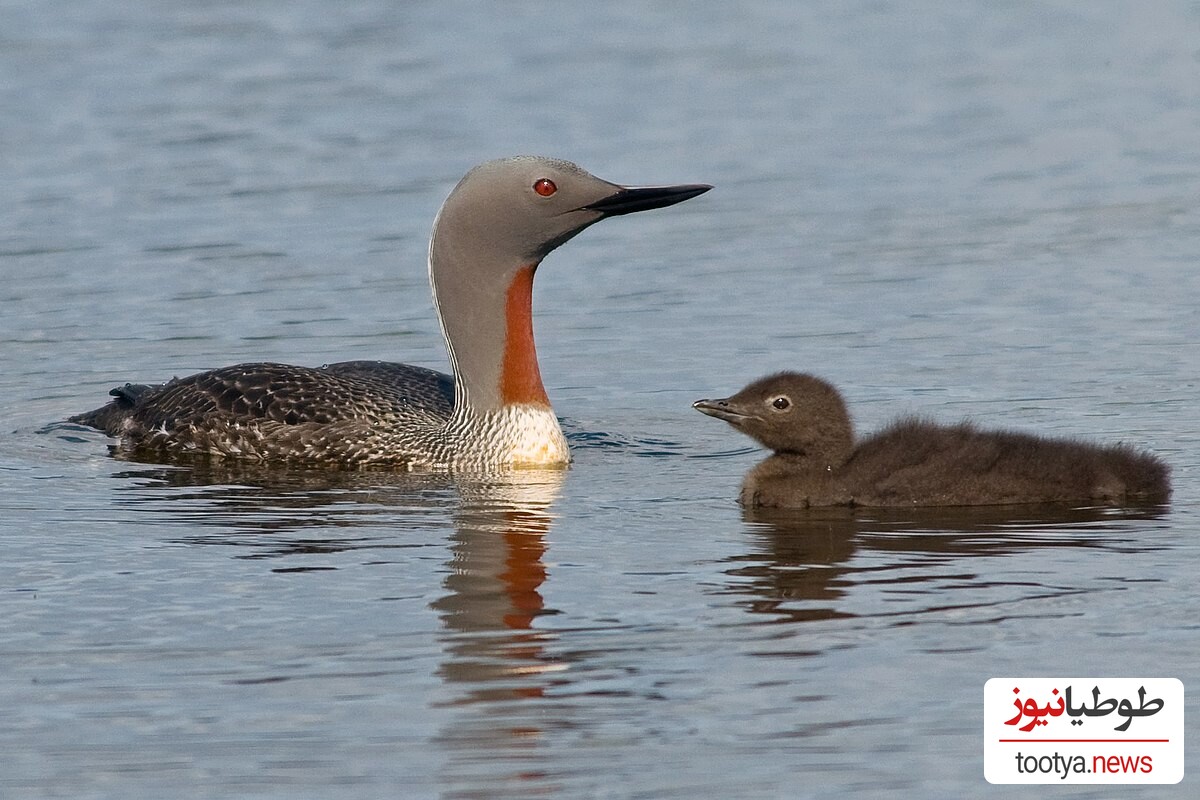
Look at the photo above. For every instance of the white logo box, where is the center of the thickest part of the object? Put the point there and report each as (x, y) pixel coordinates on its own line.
(1083, 730)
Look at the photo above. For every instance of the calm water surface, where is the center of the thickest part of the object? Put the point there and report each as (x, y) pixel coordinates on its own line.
(988, 210)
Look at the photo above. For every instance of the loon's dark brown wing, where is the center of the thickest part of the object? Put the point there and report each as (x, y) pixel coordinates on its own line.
(291, 395)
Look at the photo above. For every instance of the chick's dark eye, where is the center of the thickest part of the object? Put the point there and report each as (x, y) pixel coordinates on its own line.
(545, 187)
(780, 403)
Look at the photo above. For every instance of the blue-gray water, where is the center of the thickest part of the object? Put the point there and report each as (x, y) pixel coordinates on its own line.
(969, 209)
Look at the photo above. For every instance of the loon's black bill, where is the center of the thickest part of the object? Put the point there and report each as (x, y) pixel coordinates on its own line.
(719, 409)
(644, 198)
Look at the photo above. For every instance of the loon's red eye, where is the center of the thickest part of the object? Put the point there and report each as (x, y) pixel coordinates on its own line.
(545, 187)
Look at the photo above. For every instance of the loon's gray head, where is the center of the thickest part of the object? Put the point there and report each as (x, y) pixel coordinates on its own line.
(494, 229)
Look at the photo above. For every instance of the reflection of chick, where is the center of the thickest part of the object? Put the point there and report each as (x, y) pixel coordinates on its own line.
(913, 462)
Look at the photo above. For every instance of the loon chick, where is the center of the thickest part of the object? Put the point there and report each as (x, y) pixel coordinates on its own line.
(488, 239)
(915, 462)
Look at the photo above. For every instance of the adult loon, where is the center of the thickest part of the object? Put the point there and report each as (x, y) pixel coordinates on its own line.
(488, 239)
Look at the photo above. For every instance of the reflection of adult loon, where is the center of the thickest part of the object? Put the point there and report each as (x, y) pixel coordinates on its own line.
(914, 462)
(493, 230)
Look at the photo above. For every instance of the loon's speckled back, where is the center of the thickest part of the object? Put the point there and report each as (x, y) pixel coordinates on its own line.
(344, 414)
(490, 235)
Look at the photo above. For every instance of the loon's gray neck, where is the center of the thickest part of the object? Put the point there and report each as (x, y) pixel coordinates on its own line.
(485, 309)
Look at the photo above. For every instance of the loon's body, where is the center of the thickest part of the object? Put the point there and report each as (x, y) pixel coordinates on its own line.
(350, 414)
(915, 462)
(493, 230)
